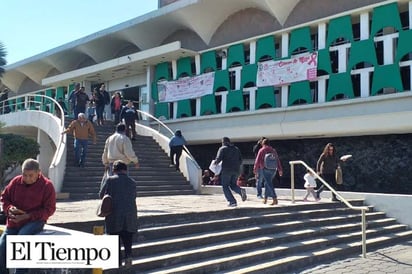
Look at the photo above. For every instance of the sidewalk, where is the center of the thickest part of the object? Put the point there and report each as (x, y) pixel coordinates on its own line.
(394, 259)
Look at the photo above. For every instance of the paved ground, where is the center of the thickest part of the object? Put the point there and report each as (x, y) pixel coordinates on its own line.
(395, 259)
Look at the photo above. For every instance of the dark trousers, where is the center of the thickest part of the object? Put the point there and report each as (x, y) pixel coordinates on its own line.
(126, 238)
(99, 112)
(130, 127)
(116, 116)
(331, 180)
(175, 152)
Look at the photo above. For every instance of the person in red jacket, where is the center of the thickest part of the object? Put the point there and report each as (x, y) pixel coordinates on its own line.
(260, 169)
(28, 201)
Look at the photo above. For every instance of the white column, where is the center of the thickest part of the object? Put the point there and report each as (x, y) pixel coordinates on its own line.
(364, 83)
(388, 50)
(174, 110)
(238, 73)
(364, 26)
(47, 152)
(149, 79)
(284, 92)
(321, 36)
(343, 59)
(285, 45)
(321, 89)
(197, 65)
(223, 104)
(410, 13)
(224, 60)
(252, 52)
(252, 97)
(174, 69)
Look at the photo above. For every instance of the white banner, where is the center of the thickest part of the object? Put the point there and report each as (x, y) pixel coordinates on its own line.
(186, 88)
(277, 73)
(61, 251)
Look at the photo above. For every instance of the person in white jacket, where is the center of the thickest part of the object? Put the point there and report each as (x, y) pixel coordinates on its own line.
(310, 185)
(119, 147)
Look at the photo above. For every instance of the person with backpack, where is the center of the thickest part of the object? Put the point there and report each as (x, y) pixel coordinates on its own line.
(260, 179)
(267, 164)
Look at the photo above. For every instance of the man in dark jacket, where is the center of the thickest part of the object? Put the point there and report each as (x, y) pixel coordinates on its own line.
(231, 159)
(176, 144)
(123, 219)
(129, 114)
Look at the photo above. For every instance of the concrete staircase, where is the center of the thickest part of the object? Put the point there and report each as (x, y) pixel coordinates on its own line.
(281, 239)
(154, 177)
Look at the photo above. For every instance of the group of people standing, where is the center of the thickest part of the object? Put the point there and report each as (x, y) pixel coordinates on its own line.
(268, 169)
(100, 106)
(118, 155)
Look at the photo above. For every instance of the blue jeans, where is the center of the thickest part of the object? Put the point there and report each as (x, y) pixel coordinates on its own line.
(259, 182)
(228, 181)
(30, 228)
(80, 150)
(269, 174)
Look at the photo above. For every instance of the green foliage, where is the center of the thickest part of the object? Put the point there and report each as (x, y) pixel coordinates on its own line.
(16, 149)
(3, 61)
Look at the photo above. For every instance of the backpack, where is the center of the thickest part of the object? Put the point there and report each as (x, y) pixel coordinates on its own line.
(270, 161)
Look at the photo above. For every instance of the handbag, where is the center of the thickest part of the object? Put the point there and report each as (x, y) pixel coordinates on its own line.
(338, 175)
(105, 206)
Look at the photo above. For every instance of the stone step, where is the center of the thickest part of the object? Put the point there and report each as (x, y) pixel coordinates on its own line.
(154, 174)
(153, 192)
(257, 240)
(154, 247)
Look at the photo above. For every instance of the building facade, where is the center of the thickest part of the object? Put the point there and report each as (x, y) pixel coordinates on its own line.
(355, 93)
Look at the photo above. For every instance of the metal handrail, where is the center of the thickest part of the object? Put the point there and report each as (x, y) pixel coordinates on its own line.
(34, 101)
(363, 209)
(168, 130)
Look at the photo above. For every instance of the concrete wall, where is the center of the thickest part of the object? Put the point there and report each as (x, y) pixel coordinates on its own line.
(48, 136)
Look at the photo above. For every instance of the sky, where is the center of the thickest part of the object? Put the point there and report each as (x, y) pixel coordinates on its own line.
(29, 27)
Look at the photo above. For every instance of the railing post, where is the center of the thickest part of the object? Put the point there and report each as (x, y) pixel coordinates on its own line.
(363, 233)
(292, 182)
(98, 230)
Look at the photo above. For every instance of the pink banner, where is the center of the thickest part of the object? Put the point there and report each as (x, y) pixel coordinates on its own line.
(281, 72)
(186, 88)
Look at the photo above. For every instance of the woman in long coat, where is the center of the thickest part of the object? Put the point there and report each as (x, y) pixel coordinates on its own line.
(123, 219)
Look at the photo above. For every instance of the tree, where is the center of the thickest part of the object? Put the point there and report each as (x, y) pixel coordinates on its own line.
(3, 61)
(15, 150)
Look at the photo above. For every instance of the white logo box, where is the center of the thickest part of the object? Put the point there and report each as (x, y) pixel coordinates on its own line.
(58, 251)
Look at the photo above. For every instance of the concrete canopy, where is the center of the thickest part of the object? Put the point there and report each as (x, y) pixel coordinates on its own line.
(144, 32)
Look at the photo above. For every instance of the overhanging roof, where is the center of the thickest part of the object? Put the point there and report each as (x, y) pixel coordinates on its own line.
(141, 33)
(121, 67)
